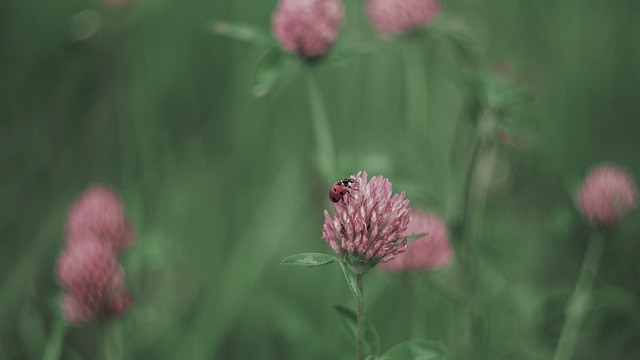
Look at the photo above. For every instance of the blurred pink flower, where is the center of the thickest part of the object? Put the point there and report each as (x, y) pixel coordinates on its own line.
(607, 194)
(372, 225)
(430, 252)
(89, 273)
(308, 27)
(98, 213)
(391, 17)
(74, 310)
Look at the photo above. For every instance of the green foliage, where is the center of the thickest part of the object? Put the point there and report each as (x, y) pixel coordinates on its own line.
(412, 238)
(267, 72)
(353, 283)
(242, 31)
(308, 259)
(371, 337)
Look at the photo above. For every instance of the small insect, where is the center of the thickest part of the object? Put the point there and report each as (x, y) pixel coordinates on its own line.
(340, 189)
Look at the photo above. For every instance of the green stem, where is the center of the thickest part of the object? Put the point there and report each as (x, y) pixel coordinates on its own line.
(325, 152)
(470, 322)
(489, 153)
(112, 341)
(415, 313)
(360, 329)
(416, 89)
(126, 155)
(579, 301)
(468, 185)
(465, 248)
(53, 347)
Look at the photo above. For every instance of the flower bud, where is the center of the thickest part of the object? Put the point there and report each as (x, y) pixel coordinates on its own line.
(307, 27)
(390, 17)
(92, 279)
(98, 213)
(607, 194)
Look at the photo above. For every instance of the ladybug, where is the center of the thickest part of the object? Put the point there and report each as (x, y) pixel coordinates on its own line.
(340, 189)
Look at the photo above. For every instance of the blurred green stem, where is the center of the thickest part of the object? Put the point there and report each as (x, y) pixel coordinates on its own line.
(325, 152)
(112, 341)
(489, 153)
(471, 320)
(465, 246)
(360, 329)
(481, 145)
(53, 347)
(579, 301)
(413, 297)
(468, 185)
(416, 92)
(126, 158)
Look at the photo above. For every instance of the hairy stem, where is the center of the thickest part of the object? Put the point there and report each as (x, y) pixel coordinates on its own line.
(579, 301)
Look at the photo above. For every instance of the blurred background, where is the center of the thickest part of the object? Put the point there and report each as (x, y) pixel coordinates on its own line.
(141, 96)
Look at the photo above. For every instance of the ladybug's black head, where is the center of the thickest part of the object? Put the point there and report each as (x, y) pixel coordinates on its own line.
(346, 181)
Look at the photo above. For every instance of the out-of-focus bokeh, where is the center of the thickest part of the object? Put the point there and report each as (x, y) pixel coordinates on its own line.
(142, 96)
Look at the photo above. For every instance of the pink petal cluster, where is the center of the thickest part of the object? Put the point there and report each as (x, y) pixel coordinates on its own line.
(607, 194)
(430, 252)
(96, 232)
(308, 27)
(90, 273)
(391, 17)
(372, 225)
(99, 213)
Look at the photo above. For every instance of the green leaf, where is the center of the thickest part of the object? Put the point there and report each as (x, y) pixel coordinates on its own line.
(308, 259)
(412, 238)
(353, 284)
(416, 349)
(350, 320)
(242, 31)
(267, 72)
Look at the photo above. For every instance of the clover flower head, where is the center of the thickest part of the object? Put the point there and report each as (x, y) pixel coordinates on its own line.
(432, 251)
(89, 273)
(607, 194)
(98, 213)
(390, 17)
(308, 28)
(370, 227)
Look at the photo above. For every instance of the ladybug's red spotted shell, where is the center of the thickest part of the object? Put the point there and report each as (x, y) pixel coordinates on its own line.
(340, 189)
